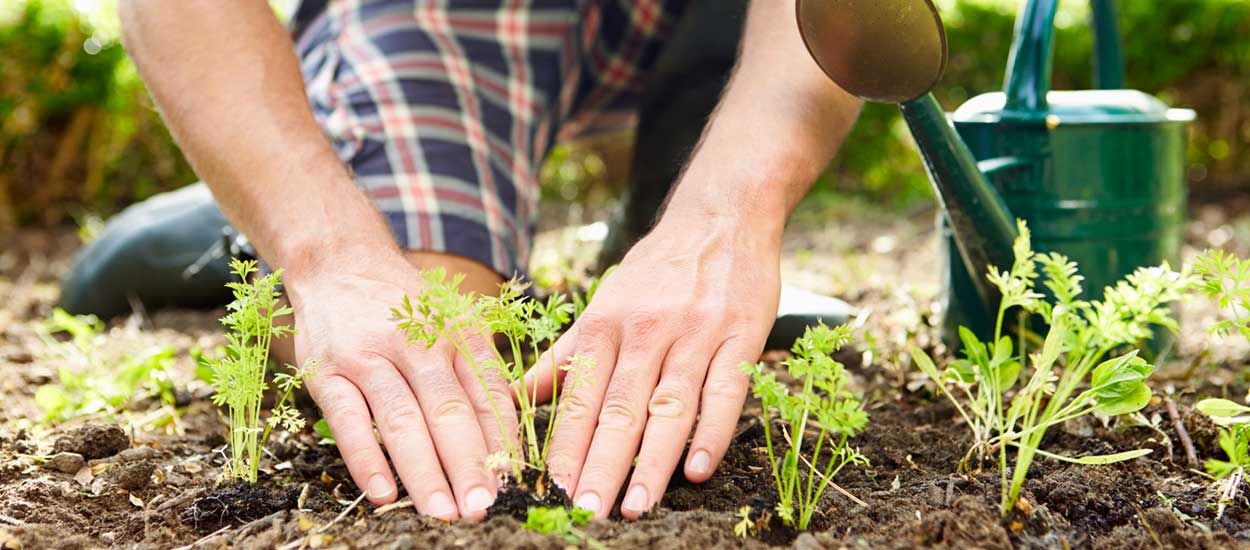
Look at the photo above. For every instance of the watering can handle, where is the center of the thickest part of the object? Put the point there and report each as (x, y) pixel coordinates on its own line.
(1028, 67)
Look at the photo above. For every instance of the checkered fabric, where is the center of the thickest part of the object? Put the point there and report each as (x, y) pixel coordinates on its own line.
(445, 109)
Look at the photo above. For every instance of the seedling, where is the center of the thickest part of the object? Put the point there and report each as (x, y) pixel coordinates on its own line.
(838, 413)
(554, 520)
(1234, 441)
(1072, 355)
(88, 385)
(322, 429)
(442, 313)
(1226, 279)
(239, 375)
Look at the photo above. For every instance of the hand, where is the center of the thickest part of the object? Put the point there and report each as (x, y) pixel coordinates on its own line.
(433, 416)
(667, 331)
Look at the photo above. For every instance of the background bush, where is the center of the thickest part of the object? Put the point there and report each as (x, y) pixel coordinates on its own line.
(78, 133)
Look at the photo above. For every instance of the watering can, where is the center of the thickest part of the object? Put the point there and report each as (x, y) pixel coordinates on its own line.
(1097, 174)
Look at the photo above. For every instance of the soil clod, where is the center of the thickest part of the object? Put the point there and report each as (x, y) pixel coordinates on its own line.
(93, 441)
(134, 476)
(68, 463)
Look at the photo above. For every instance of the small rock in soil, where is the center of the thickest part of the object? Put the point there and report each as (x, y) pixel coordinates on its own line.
(93, 441)
(137, 453)
(68, 463)
(134, 476)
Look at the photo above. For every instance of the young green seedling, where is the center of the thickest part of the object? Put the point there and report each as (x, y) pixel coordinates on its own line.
(1234, 421)
(239, 376)
(1226, 279)
(442, 313)
(1080, 336)
(838, 417)
(90, 384)
(563, 522)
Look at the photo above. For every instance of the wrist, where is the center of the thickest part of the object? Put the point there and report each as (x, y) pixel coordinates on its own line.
(348, 236)
(755, 196)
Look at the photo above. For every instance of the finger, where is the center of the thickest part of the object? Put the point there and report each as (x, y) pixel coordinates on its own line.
(597, 340)
(493, 403)
(453, 425)
(670, 418)
(403, 428)
(540, 381)
(724, 392)
(348, 416)
(621, 419)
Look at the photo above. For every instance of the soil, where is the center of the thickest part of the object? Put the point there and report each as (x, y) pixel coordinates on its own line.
(136, 487)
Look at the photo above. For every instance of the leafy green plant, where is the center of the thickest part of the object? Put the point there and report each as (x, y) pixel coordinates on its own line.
(88, 384)
(239, 376)
(554, 520)
(1234, 441)
(1073, 355)
(1226, 280)
(442, 313)
(838, 414)
(322, 428)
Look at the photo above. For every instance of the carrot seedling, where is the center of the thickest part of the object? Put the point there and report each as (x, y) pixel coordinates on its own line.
(239, 377)
(442, 313)
(562, 522)
(1073, 355)
(801, 479)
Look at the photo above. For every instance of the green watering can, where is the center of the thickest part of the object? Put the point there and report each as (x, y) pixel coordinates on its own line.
(1098, 174)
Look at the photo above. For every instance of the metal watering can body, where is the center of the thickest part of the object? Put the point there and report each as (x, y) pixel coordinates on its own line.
(1097, 174)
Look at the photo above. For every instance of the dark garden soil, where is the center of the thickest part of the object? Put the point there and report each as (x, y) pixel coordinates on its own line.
(104, 482)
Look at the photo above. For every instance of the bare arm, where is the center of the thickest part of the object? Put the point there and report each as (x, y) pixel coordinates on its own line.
(698, 295)
(226, 79)
(224, 75)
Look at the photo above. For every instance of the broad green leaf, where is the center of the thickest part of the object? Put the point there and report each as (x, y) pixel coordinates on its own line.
(925, 364)
(974, 350)
(1221, 408)
(1119, 377)
(1008, 373)
(1132, 399)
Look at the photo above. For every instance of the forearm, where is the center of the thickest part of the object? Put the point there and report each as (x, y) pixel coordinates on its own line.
(225, 77)
(777, 127)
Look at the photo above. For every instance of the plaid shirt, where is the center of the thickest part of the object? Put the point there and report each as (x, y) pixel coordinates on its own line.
(445, 109)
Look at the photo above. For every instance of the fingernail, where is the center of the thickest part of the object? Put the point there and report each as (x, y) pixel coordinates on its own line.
(441, 506)
(380, 487)
(478, 499)
(636, 499)
(589, 501)
(701, 463)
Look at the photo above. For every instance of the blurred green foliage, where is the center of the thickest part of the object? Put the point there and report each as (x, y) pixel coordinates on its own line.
(78, 133)
(77, 130)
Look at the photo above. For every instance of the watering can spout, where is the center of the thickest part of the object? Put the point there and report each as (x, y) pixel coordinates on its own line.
(983, 227)
(894, 51)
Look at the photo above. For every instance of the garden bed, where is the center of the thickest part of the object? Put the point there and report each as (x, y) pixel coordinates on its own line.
(162, 490)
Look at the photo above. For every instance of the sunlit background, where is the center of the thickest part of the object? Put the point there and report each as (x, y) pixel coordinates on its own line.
(79, 138)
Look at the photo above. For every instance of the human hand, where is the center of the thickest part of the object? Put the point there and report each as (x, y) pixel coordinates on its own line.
(667, 331)
(434, 418)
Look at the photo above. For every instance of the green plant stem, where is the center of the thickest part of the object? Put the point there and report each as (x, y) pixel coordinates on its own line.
(553, 417)
(476, 368)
